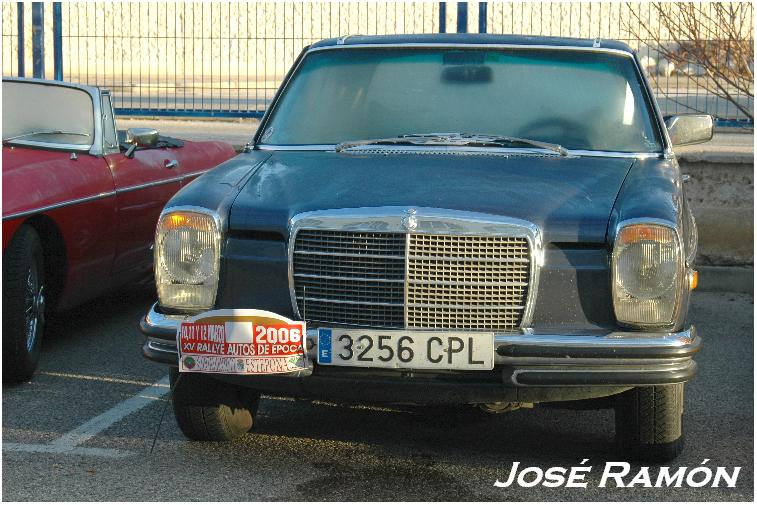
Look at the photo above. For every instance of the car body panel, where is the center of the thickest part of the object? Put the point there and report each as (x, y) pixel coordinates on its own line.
(34, 179)
(530, 187)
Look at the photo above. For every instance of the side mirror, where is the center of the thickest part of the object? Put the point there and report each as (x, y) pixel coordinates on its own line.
(688, 129)
(144, 137)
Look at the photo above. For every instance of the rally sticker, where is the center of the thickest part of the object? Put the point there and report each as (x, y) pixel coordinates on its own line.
(244, 342)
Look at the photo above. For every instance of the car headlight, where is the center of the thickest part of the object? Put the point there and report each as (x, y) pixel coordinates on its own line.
(187, 257)
(647, 272)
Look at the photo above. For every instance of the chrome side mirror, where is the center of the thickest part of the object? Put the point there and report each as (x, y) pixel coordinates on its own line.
(144, 137)
(688, 129)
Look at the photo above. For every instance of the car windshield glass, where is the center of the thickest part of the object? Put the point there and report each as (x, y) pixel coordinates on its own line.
(44, 113)
(576, 99)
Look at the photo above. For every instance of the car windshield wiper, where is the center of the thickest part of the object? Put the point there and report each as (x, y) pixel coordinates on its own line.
(46, 132)
(401, 140)
(454, 139)
(480, 139)
(417, 139)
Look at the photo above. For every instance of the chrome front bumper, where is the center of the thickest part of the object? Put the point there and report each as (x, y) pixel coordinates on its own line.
(619, 358)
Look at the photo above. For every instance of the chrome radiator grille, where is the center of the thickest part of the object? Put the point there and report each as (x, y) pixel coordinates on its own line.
(420, 281)
(350, 278)
(466, 282)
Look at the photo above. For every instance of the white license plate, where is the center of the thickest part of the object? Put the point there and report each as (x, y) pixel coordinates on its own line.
(449, 350)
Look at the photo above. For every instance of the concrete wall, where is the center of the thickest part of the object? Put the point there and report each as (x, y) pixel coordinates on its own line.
(721, 194)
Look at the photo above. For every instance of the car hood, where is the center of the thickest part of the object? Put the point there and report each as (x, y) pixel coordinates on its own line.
(569, 198)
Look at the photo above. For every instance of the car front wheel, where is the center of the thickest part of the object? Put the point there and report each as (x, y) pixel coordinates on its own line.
(648, 422)
(23, 305)
(210, 410)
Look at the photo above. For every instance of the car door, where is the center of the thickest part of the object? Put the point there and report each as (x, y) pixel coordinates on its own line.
(144, 183)
(195, 158)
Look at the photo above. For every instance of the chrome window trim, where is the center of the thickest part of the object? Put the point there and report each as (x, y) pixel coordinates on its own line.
(107, 147)
(682, 291)
(79, 148)
(458, 149)
(145, 185)
(429, 221)
(98, 196)
(614, 154)
(296, 147)
(662, 129)
(58, 205)
(179, 178)
(96, 148)
(535, 47)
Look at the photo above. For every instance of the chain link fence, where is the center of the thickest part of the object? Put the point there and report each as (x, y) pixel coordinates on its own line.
(227, 59)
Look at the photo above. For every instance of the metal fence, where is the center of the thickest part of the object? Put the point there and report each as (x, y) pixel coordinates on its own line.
(227, 58)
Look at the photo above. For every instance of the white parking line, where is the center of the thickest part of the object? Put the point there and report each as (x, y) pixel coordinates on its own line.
(68, 443)
(94, 378)
(76, 451)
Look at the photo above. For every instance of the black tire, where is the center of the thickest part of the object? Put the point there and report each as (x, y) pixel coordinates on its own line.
(648, 422)
(210, 410)
(23, 305)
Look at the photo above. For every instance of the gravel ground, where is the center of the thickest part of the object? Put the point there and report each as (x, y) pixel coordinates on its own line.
(318, 451)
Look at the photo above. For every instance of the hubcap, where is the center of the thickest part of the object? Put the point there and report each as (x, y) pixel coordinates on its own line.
(34, 306)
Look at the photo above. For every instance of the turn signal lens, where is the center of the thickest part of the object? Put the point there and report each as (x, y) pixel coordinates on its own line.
(187, 257)
(693, 280)
(647, 275)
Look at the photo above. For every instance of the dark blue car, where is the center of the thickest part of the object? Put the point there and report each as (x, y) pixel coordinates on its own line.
(459, 219)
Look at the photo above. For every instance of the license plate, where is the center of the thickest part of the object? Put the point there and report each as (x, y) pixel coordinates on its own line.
(406, 349)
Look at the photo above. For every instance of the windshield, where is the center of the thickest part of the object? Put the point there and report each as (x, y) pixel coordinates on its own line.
(577, 99)
(34, 112)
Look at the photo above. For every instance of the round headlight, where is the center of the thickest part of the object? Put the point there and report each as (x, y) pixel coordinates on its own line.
(646, 266)
(647, 269)
(187, 254)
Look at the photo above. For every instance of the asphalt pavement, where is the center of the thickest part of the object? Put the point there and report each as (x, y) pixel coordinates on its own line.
(84, 427)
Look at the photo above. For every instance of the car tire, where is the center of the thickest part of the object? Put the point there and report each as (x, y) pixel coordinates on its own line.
(648, 422)
(23, 305)
(210, 410)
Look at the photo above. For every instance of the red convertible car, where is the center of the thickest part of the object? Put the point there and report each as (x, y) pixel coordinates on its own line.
(80, 204)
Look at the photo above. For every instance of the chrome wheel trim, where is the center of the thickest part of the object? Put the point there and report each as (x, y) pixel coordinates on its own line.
(34, 306)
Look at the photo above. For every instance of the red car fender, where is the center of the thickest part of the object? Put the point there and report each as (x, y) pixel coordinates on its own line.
(76, 196)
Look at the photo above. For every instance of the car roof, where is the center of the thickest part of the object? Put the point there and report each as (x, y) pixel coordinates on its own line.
(473, 39)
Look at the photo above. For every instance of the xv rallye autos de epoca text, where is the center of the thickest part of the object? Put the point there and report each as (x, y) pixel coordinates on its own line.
(241, 342)
(490, 220)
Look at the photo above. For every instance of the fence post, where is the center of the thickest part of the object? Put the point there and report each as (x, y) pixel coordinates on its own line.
(442, 17)
(57, 41)
(482, 17)
(462, 17)
(38, 40)
(20, 37)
